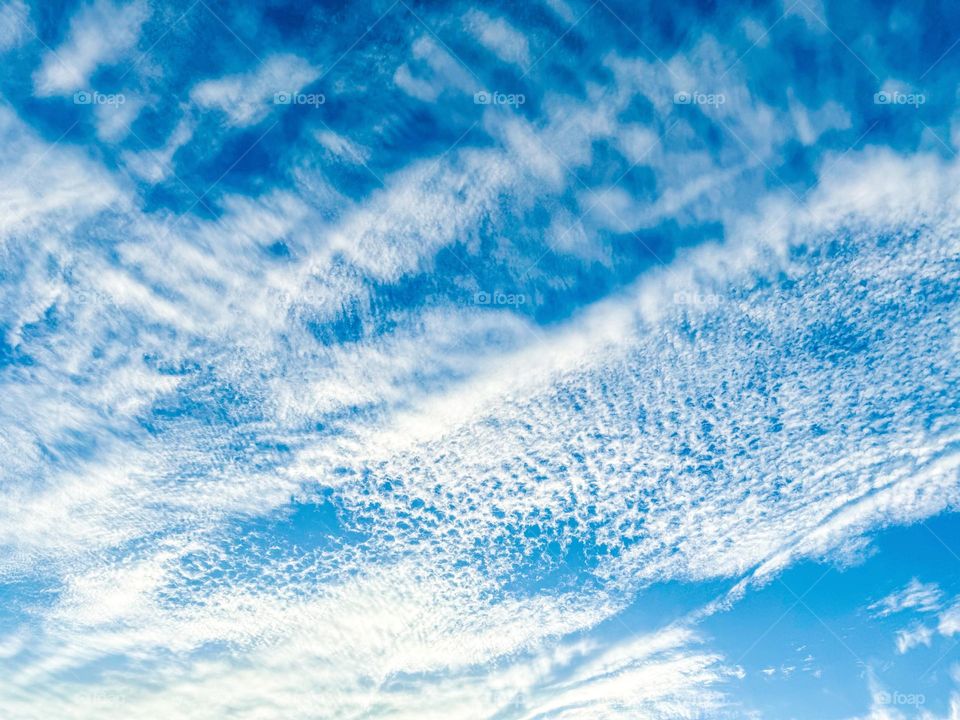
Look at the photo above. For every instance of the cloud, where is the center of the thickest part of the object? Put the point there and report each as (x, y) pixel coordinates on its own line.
(912, 637)
(152, 166)
(922, 597)
(498, 36)
(41, 188)
(706, 542)
(926, 599)
(15, 24)
(561, 8)
(949, 620)
(414, 86)
(431, 70)
(342, 148)
(810, 125)
(247, 98)
(100, 34)
(114, 119)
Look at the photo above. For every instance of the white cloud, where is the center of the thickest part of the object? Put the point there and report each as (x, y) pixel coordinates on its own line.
(114, 120)
(498, 36)
(860, 485)
(414, 86)
(431, 70)
(39, 186)
(810, 125)
(342, 147)
(248, 97)
(100, 34)
(15, 24)
(912, 637)
(949, 620)
(561, 8)
(153, 166)
(922, 597)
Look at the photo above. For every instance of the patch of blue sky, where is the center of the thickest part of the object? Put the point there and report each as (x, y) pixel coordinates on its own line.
(808, 639)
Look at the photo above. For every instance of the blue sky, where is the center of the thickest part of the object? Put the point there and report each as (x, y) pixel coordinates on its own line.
(512, 361)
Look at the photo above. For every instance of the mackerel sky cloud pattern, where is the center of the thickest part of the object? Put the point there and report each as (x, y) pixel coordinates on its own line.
(551, 360)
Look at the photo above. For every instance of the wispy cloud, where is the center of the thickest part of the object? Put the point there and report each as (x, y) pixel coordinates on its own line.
(100, 34)
(918, 596)
(247, 98)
